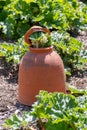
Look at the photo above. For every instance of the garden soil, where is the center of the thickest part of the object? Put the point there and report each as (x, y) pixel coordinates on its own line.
(9, 104)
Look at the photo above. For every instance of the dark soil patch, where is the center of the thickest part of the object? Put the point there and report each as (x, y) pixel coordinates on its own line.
(9, 92)
(9, 87)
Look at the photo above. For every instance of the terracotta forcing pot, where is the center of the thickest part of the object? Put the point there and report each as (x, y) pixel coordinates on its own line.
(40, 69)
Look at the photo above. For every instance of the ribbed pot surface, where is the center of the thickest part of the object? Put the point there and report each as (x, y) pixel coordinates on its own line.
(40, 69)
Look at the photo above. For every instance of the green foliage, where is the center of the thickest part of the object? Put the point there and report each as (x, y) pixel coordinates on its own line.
(3, 13)
(59, 111)
(20, 15)
(84, 1)
(4, 3)
(13, 51)
(63, 14)
(40, 40)
(17, 122)
(70, 49)
(76, 92)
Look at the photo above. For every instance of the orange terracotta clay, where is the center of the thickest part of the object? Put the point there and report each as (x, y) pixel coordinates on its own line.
(40, 69)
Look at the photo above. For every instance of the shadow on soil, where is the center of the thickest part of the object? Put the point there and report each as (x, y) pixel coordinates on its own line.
(9, 71)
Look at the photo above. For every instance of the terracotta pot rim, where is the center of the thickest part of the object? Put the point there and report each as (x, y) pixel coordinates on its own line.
(41, 50)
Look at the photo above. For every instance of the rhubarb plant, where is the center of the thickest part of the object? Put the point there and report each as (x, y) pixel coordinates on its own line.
(71, 51)
(54, 111)
(18, 16)
(40, 40)
(61, 111)
(13, 52)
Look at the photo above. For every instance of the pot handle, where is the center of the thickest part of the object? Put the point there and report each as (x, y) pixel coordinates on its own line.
(32, 30)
